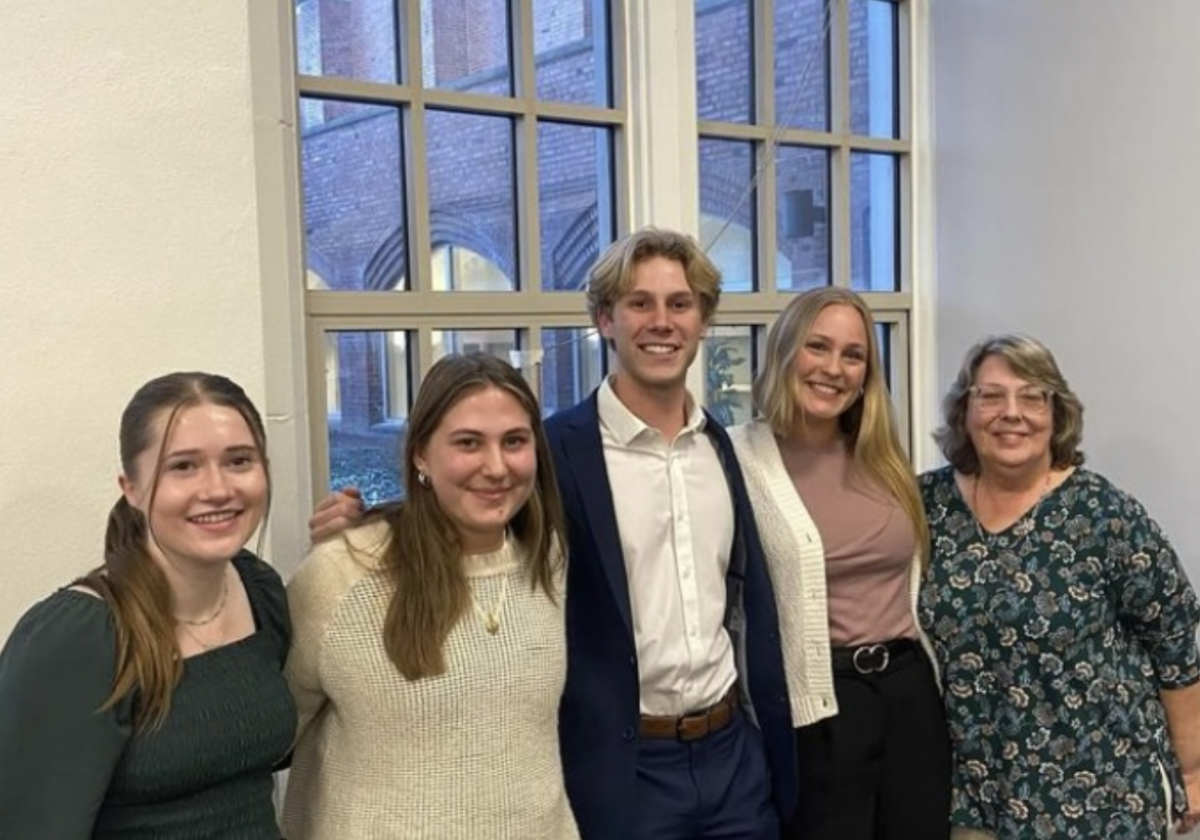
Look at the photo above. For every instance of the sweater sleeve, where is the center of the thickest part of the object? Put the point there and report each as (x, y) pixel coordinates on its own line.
(57, 750)
(314, 594)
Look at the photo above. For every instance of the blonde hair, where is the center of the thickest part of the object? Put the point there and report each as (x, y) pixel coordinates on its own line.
(612, 274)
(1032, 361)
(868, 424)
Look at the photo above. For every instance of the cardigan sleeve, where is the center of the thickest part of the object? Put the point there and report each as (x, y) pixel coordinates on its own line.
(57, 750)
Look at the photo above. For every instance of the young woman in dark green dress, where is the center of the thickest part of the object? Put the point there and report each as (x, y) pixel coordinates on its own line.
(147, 699)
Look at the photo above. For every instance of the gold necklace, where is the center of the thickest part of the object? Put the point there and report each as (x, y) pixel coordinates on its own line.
(203, 621)
(491, 618)
(198, 640)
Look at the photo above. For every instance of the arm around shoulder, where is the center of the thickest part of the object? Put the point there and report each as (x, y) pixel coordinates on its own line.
(58, 751)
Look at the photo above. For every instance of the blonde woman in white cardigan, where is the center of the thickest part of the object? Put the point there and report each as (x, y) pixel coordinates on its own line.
(844, 532)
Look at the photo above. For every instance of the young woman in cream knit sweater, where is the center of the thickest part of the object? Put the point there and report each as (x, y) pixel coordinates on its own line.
(429, 654)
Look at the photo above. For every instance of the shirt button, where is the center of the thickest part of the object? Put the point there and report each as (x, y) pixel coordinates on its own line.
(628, 733)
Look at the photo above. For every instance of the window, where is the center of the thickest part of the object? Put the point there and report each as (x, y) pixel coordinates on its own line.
(458, 173)
(803, 169)
(463, 162)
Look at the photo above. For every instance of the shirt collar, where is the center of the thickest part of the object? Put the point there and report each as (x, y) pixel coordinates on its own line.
(626, 426)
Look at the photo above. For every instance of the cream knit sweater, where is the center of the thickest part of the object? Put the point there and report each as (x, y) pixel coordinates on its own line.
(796, 562)
(468, 754)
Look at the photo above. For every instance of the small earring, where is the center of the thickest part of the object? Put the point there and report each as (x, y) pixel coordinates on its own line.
(422, 478)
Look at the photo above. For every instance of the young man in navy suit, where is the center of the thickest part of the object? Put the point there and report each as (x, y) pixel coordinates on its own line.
(674, 722)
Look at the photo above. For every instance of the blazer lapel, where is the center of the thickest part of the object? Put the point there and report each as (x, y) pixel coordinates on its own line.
(584, 453)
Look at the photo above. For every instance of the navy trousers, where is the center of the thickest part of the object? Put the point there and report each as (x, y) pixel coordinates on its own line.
(714, 788)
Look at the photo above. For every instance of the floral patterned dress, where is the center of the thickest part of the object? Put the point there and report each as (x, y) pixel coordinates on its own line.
(1054, 637)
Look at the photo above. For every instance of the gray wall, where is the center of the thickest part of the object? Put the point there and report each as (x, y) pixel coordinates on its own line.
(1067, 202)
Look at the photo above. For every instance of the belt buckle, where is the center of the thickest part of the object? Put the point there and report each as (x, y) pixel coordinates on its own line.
(699, 720)
(874, 659)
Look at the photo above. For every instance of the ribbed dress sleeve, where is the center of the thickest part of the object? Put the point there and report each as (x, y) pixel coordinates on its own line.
(264, 586)
(57, 751)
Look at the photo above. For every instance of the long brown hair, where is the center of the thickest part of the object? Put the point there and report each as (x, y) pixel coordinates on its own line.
(868, 425)
(423, 556)
(148, 657)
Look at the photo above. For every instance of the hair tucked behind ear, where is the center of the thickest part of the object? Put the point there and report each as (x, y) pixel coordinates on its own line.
(424, 553)
(148, 659)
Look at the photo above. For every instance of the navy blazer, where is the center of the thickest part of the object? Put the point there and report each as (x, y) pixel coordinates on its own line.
(600, 710)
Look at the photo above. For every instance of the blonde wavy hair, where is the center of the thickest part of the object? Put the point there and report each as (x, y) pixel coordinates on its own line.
(868, 425)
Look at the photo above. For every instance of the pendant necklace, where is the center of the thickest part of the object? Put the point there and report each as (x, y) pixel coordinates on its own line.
(491, 618)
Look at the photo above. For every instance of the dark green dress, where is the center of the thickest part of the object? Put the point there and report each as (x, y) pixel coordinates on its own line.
(68, 772)
(1054, 638)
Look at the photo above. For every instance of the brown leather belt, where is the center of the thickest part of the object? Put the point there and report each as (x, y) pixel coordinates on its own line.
(694, 726)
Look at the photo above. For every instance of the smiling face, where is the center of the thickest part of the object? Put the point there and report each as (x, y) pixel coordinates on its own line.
(1011, 434)
(211, 489)
(831, 365)
(655, 328)
(481, 463)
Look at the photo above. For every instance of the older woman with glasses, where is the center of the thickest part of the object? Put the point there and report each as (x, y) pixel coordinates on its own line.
(1062, 620)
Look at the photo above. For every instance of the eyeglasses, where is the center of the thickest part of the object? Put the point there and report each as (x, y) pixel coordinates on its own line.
(992, 400)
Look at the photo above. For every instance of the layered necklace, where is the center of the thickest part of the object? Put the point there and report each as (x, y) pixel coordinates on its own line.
(186, 624)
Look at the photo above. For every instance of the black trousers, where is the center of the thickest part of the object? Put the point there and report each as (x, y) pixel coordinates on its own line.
(880, 768)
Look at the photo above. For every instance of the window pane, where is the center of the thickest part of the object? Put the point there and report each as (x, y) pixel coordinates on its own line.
(728, 366)
(802, 64)
(874, 81)
(499, 343)
(570, 42)
(874, 232)
(724, 60)
(353, 186)
(575, 181)
(465, 46)
(370, 375)
(802, 218)
(458, 269)
(471, 189)
(352, 40)
(572, 366)
(883, 335)
(727, 203)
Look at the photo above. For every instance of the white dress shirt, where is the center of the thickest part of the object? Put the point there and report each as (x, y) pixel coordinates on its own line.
(675, 517)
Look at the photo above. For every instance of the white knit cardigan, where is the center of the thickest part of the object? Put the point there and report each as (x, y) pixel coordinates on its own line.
(796, 561)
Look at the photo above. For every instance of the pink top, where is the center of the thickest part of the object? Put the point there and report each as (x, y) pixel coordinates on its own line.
(869, 545)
